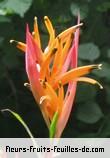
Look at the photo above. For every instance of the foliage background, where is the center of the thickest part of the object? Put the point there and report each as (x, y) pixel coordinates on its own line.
(90, 116)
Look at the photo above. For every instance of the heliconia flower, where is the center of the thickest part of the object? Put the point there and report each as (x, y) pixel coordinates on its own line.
(50, 70)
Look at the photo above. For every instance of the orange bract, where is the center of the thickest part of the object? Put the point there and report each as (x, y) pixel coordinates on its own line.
(49, 70)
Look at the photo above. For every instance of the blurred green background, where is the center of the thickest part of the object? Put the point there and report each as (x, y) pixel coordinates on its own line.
(90, 116)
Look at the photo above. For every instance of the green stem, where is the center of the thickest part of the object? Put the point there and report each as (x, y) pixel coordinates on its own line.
(52, 128)
(19, 118)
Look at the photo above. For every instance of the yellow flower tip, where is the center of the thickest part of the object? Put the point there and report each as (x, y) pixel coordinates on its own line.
(19, 45)
(45, 17)
(99, 66)
(46, 97)
(46, 49)
(27, 85)
(81, 24)
(77, 26)
(101, 87)
(12, 41)
(35, 18)
(33, 33)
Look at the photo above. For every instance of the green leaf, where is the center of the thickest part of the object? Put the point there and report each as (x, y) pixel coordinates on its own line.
(75, 8)
(52, 128)
(15, 6)
(103, 7)
(104, 130)
(2, 12)
(11, 58)
(89, 112)
(85, 92)
(89, 51)
(4, 19)
(1, 40)
(19, 118)
(108, 53)
(63, 18)
(107, 89)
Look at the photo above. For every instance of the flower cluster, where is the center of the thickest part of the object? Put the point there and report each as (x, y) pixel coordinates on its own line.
(54, 70)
